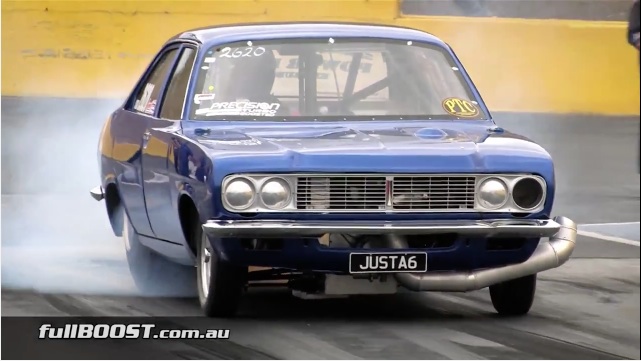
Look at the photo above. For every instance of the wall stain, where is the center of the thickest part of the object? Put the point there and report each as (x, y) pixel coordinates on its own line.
(80, 54)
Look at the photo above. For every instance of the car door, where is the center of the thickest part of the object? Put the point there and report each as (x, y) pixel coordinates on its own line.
(162, 144)
(128, 127)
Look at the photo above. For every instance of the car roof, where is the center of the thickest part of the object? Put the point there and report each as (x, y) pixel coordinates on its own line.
(266, 31)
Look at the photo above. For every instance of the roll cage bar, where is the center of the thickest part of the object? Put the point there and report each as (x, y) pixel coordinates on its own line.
(309, 62)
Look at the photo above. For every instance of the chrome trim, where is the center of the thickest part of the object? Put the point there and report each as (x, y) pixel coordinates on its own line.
(275, 179)
(510, 180)
(434, 193)
(546, 256)
(387, 207)
(477, 193)
(97, 193)
(257, 182)
(228, 206)
(278, 228)
(543, 196)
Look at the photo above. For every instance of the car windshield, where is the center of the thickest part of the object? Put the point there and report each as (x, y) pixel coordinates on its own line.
(319, 79)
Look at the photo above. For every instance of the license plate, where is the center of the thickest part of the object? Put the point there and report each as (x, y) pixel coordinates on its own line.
(387, 262)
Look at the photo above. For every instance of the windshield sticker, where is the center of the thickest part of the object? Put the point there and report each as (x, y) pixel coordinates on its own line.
(199, 98)
(460, 107)
(243, 108)
(247, 52)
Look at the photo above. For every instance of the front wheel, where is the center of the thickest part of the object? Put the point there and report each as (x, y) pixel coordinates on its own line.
(220, 284)
(515, 297)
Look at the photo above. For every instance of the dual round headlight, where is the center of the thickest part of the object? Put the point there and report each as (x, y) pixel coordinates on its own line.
(527, 193)
(493, 193)
(240, 194)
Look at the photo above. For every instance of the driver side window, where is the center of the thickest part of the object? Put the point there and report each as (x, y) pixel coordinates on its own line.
(147, 97)
(174, 99)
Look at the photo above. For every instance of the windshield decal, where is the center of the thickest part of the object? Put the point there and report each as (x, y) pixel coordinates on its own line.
(244, 108)
(199, 98)
(460, 107)
(247, 52)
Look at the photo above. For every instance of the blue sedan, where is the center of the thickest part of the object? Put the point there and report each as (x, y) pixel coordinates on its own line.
(344, 159)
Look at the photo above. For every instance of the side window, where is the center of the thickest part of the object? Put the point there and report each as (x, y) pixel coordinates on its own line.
(172, 104)
(148, 94)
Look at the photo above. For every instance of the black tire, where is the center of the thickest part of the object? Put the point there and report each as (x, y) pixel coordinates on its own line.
(152, 274)
(220, 297)
(515, 297)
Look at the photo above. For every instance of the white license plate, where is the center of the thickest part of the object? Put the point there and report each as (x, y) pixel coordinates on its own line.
(387, 262)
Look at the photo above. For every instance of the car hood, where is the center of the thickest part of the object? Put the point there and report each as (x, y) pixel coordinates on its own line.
(367, 147)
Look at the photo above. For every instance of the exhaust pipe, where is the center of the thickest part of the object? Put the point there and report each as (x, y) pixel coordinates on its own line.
(547, 255)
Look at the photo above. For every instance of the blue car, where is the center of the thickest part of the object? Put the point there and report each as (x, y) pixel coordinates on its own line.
(332, 158)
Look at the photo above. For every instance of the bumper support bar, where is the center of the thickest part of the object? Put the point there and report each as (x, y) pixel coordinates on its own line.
(281, 229)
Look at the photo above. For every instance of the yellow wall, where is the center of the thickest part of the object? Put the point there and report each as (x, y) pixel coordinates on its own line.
(99, 48)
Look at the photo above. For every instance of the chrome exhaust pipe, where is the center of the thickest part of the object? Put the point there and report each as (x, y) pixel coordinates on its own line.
(546, 256)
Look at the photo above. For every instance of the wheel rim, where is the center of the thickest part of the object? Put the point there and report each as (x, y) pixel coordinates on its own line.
(205, 266)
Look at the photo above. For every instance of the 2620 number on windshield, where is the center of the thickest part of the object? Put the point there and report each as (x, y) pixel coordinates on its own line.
(247, 52)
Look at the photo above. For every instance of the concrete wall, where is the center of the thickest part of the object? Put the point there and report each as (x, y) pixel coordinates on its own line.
(97, 49)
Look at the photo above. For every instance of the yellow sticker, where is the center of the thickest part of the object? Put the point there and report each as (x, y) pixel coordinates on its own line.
(211, 88)
(460, 107)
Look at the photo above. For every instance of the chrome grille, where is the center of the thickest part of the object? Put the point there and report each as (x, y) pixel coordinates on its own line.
(340, 193)
(380, 192)
(433, 193)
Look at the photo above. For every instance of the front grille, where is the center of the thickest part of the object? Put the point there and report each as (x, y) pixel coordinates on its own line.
(379, 192)
(340, 193)
(433, 193)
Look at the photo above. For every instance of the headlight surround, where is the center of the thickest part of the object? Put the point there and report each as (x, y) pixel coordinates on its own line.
(493, 193)
(275, 193)
(239, 194)
(528, 193)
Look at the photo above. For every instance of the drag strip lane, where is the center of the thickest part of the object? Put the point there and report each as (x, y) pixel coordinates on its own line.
(588, 310)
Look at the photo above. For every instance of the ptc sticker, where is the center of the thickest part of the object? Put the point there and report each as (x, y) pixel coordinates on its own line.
(460, 107)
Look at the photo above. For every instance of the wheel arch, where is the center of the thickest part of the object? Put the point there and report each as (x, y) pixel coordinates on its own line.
(115, 207)
(189, 216)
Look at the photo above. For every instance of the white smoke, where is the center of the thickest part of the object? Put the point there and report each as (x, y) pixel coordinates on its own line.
(55, 237)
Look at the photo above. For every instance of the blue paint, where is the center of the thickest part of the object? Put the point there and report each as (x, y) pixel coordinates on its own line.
(431, 133)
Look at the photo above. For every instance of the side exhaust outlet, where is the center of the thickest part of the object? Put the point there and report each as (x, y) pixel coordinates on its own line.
(546, 256)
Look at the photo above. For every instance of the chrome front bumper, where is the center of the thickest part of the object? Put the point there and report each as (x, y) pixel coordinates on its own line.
(562, 233)
(273, 229)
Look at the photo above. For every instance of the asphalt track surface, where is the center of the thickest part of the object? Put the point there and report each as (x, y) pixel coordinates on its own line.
(59, 258)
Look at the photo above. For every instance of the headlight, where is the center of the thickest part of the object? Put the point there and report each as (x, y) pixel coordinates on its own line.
(527, 193)
(275, 193)
(493, 193)
(239, 193)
